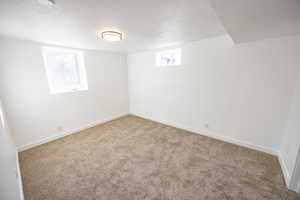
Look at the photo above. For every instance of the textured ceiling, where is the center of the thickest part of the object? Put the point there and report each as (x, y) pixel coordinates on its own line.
(148, 24)
(250, 20)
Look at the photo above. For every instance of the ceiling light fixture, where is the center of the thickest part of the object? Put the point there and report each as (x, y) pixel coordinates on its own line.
(111, 36)
(46, 2)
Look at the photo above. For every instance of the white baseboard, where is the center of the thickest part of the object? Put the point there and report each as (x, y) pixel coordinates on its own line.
(217, 136)
(65, 133)
(19, 177)
(285, 171)
(239, 142)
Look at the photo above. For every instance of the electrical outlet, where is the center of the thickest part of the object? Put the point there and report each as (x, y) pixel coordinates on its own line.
(60, 128)
(206, 125)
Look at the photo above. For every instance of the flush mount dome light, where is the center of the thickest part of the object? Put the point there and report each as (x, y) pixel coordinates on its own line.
(46, 2)
(111, 36)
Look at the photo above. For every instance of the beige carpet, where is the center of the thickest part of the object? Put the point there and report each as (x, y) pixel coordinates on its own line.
(132, 159)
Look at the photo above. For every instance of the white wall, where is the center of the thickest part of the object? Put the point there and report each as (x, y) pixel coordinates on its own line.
(291, 141)
(36, 115)
(241, 91)
(10, 182)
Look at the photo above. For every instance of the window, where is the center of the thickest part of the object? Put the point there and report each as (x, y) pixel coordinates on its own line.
(65, 70)
(2, 116)
(168, 58)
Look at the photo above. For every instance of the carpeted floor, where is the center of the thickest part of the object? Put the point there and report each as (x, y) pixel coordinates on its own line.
(133, 159)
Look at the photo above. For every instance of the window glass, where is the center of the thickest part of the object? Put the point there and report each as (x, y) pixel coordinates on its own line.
(65, 70)
(168, 58)
(2, 122)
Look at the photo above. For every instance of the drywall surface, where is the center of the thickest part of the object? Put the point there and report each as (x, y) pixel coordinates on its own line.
(10, 187)
(291, 140)
(146, 24)
(256, 20)
(35, 114)
(239, 93)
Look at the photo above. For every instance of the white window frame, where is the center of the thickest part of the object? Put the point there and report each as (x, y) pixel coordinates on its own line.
(80, 65)
(2, 119)
(161, 54)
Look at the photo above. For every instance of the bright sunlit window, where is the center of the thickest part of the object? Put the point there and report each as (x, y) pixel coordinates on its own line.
(169, 57)
(65, 70)
(2, 117)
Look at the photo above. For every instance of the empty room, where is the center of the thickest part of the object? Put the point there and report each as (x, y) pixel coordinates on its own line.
(149, 100)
